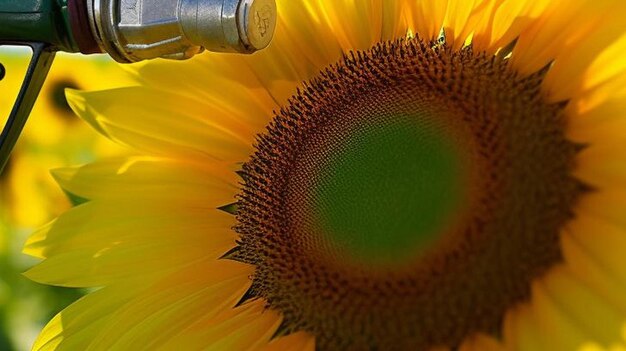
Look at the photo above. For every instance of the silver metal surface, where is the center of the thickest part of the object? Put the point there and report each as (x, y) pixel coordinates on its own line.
(136, 30)
(256, 22)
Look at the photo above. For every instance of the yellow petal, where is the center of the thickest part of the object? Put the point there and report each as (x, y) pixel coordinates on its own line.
(594, 251)
(601, 127)
(603, 166)
(481, 342)
(462, 17)
(225, 82)
(301, 26)
(357, 25)
(607, 204)
(598, 321)
(76, 326)
(503, 21)
(426, 17)
(109, 248)
(601, 103)
(596, 347)
(394, 23)
(601, 25)
(558, 32)
(169, 307)
(248, 327)
(300, 341)
(521, 331)
(557, 330)
(607, 65)
(152, 180)
(587, 269)
(97, 225)
(164, 123)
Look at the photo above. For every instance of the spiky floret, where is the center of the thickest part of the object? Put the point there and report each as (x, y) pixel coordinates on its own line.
(515, 165)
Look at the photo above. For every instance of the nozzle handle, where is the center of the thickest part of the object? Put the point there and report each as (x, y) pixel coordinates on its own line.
(37, 21)
(43, 56)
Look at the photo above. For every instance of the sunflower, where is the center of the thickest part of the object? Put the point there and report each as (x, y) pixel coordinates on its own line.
(408, 175)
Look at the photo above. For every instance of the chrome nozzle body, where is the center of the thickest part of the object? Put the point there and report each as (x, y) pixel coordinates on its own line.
(136, 30)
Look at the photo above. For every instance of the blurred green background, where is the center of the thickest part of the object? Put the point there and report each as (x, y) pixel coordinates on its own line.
(53, 137)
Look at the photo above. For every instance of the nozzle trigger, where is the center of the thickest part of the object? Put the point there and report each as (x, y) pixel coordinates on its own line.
(43, 56)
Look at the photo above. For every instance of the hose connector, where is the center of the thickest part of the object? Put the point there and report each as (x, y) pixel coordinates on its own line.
(137, 30)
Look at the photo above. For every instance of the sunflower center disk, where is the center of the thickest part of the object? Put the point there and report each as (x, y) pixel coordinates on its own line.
(406, 198)
(386, 193)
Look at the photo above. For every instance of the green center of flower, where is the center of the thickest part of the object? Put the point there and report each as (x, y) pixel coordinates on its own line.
(56, 96)
(389, 192)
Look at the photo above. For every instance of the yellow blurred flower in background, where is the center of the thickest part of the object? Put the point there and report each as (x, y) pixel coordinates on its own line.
(53, 137)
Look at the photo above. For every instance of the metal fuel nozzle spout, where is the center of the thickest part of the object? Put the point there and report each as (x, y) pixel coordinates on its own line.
(136, 30)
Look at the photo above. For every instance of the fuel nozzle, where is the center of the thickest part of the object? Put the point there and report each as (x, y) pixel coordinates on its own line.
(127, 30)
(136, 30)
